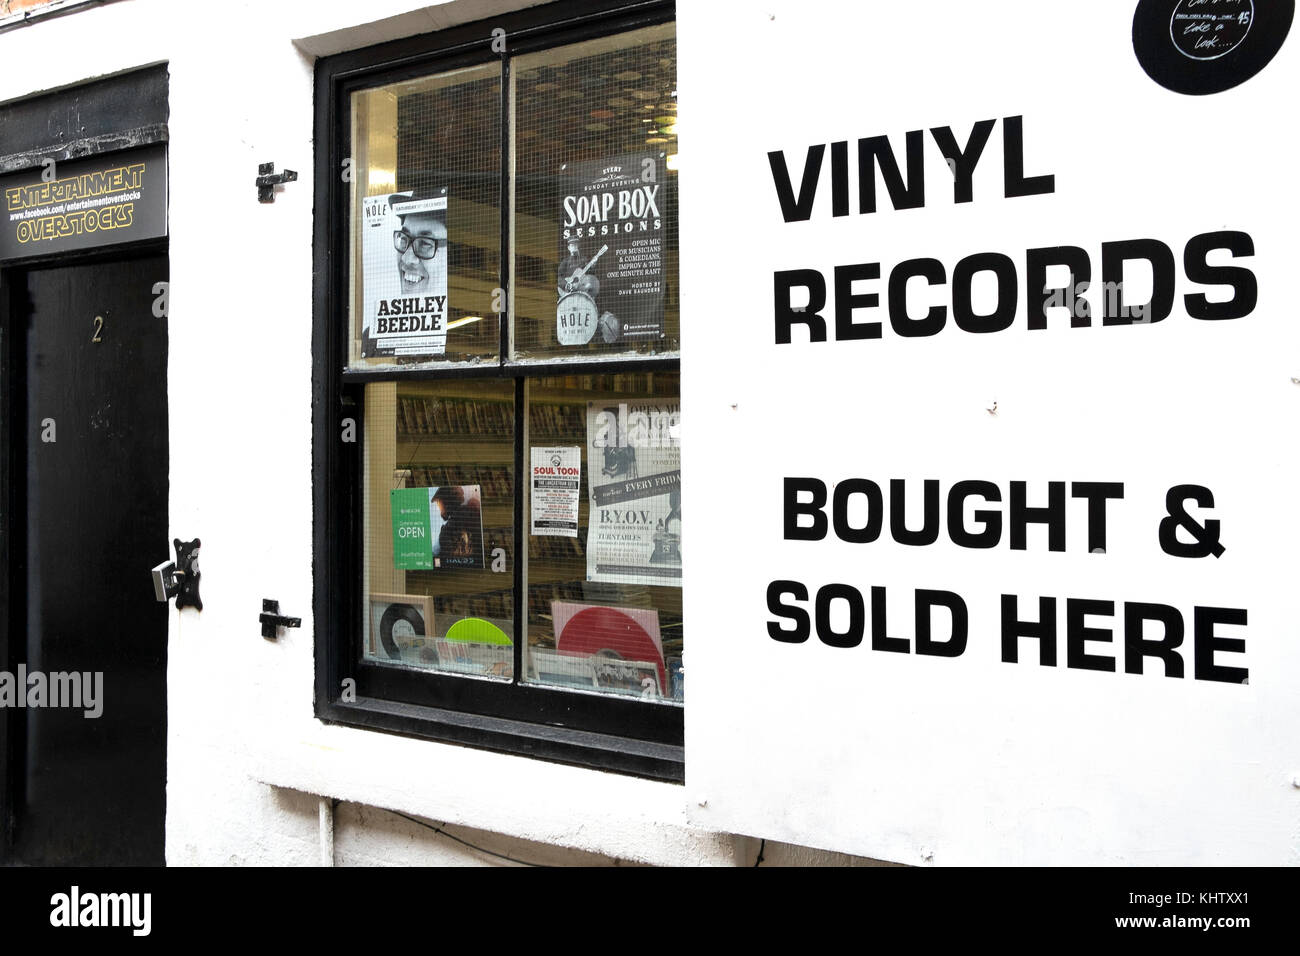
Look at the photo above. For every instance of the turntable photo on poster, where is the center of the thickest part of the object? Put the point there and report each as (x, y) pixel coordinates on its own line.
(610, 279)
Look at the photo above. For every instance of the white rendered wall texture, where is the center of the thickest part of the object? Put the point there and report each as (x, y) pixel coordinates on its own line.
(246, 758)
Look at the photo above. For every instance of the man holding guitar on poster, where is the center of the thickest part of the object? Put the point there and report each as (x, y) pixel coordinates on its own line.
(577, 288)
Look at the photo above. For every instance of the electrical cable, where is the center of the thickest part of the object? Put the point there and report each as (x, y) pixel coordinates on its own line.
(436, 829)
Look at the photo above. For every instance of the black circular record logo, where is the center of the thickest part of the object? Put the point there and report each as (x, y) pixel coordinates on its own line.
(1208, 46)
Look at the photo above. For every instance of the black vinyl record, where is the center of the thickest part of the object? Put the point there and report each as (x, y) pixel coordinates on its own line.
(1208, 46)
(395, 615)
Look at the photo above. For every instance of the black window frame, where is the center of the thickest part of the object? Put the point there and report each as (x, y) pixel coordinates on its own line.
(610, 733)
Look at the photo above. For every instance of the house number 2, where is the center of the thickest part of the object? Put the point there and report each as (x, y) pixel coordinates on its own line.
(99, 327)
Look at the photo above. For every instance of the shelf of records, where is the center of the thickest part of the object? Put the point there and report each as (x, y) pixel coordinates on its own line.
(540, 548)
(608, 675)
(566, 552)
(601, 386)
(633, 649)
(470, 636)
(547, 421)
(555, 410)
(545, 599)
(460, 420)
(439, 417)
(498, 605)
(628, 651)
(496, 481)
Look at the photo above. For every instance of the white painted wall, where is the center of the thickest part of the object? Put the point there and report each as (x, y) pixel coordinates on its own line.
(917, 761)
(972, 760)
(246, 758)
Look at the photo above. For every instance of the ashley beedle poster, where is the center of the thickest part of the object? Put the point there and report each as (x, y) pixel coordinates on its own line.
(404, 257)
(634, 528)
(610, 281)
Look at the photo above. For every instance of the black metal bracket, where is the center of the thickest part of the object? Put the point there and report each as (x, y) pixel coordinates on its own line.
(187, 574)
(268, 179)
(270, 619)
(164, 581)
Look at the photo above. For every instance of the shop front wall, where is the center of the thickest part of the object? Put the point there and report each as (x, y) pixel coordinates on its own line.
(248, 762)
(898, 756)
(893, 383)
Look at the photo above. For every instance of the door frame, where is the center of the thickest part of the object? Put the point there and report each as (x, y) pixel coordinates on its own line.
(11, 392)
(101, 116)
(15, 423)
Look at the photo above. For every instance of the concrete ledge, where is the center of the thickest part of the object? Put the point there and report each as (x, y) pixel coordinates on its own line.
(609, 814)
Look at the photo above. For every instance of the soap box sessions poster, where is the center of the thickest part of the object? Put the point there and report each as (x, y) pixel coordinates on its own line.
(610, 280)
(404, 258)
(634, 528)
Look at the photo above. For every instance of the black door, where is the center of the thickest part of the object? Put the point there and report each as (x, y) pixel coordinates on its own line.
(88, 366)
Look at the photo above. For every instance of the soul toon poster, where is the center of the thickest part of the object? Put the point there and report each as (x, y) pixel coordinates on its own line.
(556, 478)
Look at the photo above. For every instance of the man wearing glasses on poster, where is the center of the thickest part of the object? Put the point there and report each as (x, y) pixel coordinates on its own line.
(407, 310)
(421, 244)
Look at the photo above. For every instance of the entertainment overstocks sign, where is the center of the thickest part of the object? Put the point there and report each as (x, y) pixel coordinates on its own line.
(65, 205)
(998, 437)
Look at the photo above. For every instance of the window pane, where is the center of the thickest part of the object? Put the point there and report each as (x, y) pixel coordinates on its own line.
(604, 591)
(439, 514)
(594, 271)
(426, 220)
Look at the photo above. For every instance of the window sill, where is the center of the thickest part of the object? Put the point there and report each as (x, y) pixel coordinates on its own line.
(656, 761)
(612, 814)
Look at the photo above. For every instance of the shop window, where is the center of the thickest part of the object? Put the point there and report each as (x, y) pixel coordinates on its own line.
(500, 541)
(584, 111)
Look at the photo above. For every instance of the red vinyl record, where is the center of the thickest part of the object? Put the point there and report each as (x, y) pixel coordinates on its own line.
(597, 629)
